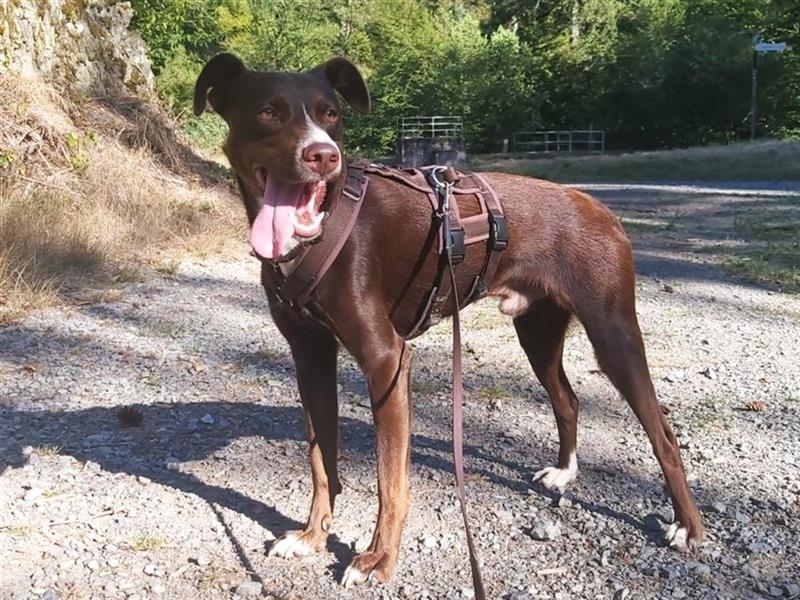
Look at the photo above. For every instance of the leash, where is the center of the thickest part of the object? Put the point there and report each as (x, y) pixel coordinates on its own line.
(443, 190)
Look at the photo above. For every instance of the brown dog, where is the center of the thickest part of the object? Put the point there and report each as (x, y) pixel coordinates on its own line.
(567, 255)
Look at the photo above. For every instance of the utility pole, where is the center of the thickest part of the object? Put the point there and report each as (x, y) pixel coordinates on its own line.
(754, 87)
(759, 47)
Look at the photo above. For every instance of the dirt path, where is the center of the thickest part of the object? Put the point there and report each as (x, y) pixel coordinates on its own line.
(182, 506)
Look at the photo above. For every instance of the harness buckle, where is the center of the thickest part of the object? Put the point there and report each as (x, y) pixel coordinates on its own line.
(498, 233)
(457, 247)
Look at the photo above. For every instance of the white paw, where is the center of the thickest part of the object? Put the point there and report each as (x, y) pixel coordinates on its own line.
(290, 546)
(353, 577)
(677, 537)
(554, 478)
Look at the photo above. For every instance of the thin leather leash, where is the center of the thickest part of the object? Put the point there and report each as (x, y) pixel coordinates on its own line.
(443, 189)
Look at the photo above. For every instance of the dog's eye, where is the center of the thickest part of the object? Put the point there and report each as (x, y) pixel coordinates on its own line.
(331, 114)
(267, 113)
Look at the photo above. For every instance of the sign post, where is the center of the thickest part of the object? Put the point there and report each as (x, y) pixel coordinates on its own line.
(759, 47)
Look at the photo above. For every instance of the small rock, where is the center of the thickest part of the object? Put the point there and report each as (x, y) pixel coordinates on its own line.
(743, 518)
(467, 593)
(51, 595)
(429, 541)
(143, 480)
(791, 590)
(718, 507)
(701, 570)
(33, 493)
(653, 522)
(710, 373)
(546, 531)
(566, 500)
(622, 594)
(504, 515)
(93, 565)
(775, 591)
(207, 419)
(202, 559)
(674, 376)
(157, 588)
(150, 569)
(520, 595)
(248, 589)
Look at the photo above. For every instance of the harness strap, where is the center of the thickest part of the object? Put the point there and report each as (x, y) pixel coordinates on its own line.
(317, 259)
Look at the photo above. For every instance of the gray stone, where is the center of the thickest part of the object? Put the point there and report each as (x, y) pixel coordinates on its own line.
(33, 494)
(429, 541)
(248, 589)
(791, 589)
(202, 559)
(51, 595)
(546, 531)
(718, 507)
(207, 419)
(775, 591)
(653, 522)
(622, 594)
(566, 500)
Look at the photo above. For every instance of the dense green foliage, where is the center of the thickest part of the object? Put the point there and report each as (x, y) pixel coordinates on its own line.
(652, 73)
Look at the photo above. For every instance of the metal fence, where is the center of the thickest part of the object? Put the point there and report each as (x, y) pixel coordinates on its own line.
(574, 140)
(430, 127)
(430, 140)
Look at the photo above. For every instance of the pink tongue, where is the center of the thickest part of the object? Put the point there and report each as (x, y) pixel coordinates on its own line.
(274, 226)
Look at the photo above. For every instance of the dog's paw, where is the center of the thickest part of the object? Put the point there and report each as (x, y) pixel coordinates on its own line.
(353, 577)
(680, 538)
(368, 566)
(554, 478)
(295, 544)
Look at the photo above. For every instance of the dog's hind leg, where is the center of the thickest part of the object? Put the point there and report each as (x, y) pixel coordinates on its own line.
(314, 353)
(541, 333)
(620, 352)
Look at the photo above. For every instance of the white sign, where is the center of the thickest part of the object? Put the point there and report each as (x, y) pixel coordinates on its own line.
(770, 47)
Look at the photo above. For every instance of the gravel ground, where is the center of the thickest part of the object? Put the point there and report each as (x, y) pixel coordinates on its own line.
(185, 505)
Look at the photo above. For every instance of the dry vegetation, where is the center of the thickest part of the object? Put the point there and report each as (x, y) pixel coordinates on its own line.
(757, 161)
(93, 192)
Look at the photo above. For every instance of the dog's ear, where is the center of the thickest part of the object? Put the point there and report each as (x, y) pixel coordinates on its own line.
(218, 73)
(345, 79)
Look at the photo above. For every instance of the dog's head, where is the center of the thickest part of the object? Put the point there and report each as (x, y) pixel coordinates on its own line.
(284, 142)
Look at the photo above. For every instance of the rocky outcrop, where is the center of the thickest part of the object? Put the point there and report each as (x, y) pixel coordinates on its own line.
(83, 44)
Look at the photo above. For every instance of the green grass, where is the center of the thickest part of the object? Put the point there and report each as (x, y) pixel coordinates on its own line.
(773, 254)
(146, 543)
(759, 161)
(46, 450)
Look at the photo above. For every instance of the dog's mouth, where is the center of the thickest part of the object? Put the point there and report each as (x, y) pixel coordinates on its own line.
(290, 209)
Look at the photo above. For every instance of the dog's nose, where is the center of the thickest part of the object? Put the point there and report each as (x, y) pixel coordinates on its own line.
(321, 157)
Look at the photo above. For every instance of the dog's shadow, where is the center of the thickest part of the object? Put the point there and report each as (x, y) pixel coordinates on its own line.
(92, 435)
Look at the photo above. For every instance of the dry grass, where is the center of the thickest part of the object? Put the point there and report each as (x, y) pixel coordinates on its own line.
(84, 207)
(758, 161)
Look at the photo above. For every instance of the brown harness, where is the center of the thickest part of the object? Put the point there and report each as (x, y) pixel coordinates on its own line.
(443, 187)
(486, 226)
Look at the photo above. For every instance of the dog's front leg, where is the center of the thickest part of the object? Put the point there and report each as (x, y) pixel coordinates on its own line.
(314, 355)
(386, 362)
